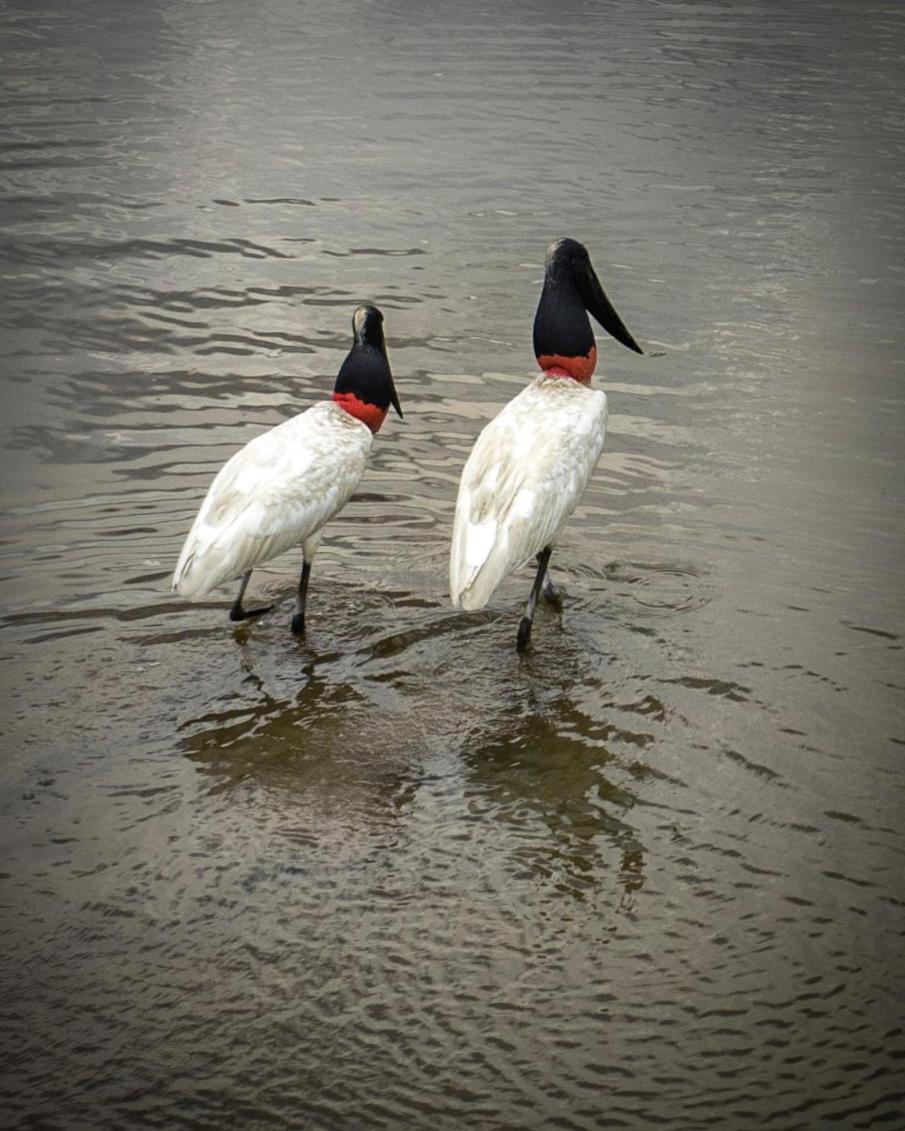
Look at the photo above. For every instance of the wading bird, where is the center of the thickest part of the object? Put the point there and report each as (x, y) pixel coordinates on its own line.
(532, 462)
(283, 486)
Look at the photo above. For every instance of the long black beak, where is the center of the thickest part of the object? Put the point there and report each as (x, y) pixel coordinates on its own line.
(597, 304)
(395, 399)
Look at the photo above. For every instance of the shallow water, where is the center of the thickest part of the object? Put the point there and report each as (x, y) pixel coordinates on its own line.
(394, 875)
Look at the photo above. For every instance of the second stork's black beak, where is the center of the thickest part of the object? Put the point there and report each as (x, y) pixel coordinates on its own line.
(394, 399)
(599, 306)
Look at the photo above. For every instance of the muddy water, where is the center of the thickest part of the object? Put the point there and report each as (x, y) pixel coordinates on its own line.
(393, 875)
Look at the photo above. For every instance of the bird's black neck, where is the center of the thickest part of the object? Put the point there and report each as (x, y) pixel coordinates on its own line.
(561, 325)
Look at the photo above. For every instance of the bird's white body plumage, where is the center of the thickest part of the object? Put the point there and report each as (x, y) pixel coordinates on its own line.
(275, 493)
(524, 477)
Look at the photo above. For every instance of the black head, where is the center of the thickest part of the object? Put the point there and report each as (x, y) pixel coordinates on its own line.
(562, 255)
(367, 327)
(568, 267)
(365, 374)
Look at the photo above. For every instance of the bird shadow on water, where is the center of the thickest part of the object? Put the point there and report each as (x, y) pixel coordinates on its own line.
(567, 799)
(527, 743)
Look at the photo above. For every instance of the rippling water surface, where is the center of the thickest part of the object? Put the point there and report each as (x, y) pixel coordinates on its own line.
(394, 875)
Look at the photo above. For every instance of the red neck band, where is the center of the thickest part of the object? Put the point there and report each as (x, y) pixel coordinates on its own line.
(578, 368)
(368, 414)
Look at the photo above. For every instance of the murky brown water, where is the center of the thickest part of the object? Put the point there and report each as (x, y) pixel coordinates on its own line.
(395, 876)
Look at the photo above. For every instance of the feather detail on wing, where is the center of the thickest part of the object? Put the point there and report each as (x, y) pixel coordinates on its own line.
(524, 477)
(273, 494)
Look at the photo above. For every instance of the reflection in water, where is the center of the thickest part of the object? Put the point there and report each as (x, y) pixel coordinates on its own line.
(352, 729)
(539, 767)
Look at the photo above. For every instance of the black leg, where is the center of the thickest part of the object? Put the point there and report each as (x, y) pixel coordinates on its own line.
(550, 592)
(523, 639)
(298, 621)
(237, 612)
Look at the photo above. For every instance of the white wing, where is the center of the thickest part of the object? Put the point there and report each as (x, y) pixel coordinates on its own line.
(273, 494)
(524, 477)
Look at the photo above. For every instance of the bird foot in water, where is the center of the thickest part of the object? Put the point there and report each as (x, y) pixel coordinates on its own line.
(551, 594)
(523, 639)
(238, 613)
(298, 624)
